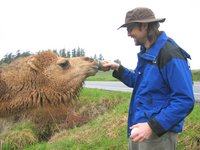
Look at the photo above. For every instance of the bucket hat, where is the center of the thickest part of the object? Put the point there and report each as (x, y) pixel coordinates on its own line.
(140, 15)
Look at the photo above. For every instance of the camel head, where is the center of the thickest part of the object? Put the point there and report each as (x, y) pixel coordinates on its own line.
(42, 80)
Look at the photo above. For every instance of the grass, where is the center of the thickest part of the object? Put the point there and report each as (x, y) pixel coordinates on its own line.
(102, 76)
(196, 75)
(105, 128)
(20, 136)
(190, 138)
(93, 105)
(107, 76)
(108, 130)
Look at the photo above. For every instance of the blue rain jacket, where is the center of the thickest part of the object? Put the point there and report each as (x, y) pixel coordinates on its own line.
(162, 87)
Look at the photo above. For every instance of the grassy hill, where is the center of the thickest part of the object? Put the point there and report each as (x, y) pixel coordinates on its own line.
(104, 127)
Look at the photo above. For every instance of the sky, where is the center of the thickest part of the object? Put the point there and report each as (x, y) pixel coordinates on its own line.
(35, 25)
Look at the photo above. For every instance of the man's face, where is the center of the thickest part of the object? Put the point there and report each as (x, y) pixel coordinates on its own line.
(138, 32)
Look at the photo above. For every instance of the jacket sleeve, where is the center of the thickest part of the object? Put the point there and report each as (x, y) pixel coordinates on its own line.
(177, 75)
(125, 75)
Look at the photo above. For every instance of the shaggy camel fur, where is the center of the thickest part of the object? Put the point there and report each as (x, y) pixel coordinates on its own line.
(44, 79)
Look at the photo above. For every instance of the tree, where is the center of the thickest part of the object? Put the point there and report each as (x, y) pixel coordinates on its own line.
(78, 52)
(68, 54)
(18, 54)
(100, 57)
(82, 52)
(55, 51)
(25, 54)
(95, 57)
(62, 52)
(8, 58)
(74, 52)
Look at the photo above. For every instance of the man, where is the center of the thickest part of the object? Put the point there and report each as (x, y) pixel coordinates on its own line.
(162, 84)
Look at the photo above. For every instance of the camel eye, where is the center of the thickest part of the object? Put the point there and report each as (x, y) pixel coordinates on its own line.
(64, 64)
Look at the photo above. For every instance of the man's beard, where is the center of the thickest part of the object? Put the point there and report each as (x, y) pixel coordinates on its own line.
(137, 43)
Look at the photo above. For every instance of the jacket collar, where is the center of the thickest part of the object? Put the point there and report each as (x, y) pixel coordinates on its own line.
(153, 52)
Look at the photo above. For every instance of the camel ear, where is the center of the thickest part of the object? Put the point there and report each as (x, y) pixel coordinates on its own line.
(32, 62)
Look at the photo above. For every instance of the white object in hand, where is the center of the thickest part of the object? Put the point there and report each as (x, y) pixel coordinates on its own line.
(133, 130)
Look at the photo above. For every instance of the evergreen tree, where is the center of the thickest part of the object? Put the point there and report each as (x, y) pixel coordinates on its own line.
(95, 57)
(78, 52)
(74, 52)
(18, 54)
(68, 54)
(62, 52)
(55, 51)
(100, 57)
(82, 52)
(8, 58)
(25, 54)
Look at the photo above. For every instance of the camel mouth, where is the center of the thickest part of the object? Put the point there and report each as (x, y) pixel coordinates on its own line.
(95, 68)
(93, 71)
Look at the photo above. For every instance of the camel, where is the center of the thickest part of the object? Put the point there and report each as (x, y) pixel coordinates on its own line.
(42, 80)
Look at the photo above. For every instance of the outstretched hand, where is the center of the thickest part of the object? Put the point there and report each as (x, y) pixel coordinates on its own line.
(107, 65)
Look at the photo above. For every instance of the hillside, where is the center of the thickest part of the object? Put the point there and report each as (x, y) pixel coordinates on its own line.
(100, 122)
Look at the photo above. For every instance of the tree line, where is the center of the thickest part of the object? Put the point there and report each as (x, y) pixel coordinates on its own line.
(76, 52)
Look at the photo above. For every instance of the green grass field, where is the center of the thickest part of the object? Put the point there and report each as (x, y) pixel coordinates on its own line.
(102, 76)
(107, 76)
(196, 75)
(107, 130)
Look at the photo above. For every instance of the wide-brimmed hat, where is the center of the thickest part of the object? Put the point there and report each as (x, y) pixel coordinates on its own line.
(141, 15)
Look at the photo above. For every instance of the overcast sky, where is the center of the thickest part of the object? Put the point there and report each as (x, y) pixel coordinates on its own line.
(34, 25)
